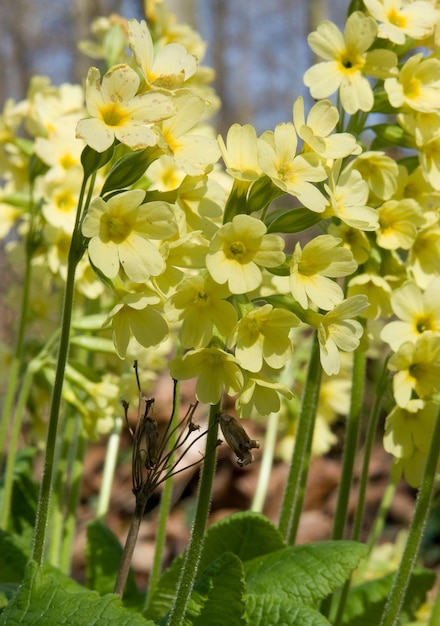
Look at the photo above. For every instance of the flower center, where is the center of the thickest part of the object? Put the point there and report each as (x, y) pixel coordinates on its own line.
(112, 114)
(396, 18)
(236, 251)
(115, 227)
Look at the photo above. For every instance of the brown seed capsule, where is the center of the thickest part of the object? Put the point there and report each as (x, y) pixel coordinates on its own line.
(237, 439)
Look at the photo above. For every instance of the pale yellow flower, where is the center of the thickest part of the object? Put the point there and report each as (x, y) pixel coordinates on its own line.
(317, 131)
(348, 197)
(417, 86)
(313, 268)
(135, 313)
(240, 152)
(168, 67)
(378, 292)
(417, 368)
(261, 395)
(238, 250)
(262, 336)
(430, 162)
(424, 255)
(120, 231)
(292, 173)
(408, 434)
(215, 369)
(116, 112)
(398, 221)
(201, 304)
(348, 62)
(191, 147)
(338, 331)
(418, 311)
(380, 172)
(399, 19)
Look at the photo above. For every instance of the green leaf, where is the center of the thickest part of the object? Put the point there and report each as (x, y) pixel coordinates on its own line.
(43, 599)
(13, 558)
(103, 552)
(163, 595)
(94, 344)
(246, 534)
(220, 593)
(291, 220)
(304, 574)
(267, 608)
(366, 602)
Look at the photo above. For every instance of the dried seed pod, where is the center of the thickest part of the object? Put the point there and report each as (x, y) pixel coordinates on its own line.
(151, 433)
(237, 438)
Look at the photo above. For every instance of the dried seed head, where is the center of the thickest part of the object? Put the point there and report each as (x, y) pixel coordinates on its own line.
(237, 439)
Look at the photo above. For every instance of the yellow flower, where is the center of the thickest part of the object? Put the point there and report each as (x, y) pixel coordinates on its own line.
(417, 367)
(417, 85)
(200, 303)
(316, 130)
(116, 112)
(347, 62)
(417, 311)
(215, 370)
(408, 434)
(261, 395)
(120, 231)
(135, 313)
(399, 19)
(194, 151)
(398, 221)
(379, 171)
(377, 291)
(313, 267)
(169, 67)
(240, 152)
(238, 250)
(424, 255)
(348, 195)
(338, 331)
(263, 335)
(292, 173)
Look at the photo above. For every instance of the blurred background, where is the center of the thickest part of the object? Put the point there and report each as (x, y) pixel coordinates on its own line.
(258, 49)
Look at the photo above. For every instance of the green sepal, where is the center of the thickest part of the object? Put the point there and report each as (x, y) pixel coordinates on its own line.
(92, 161)
(128, 169)
(37, 167)
(261, 194)
(291, 220)
(390, 134)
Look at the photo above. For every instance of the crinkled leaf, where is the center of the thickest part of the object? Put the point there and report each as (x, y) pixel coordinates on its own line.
(304, 574)
(366, 602)
(268, 608)
(220, 594)
(163, 595)
(43, 599)
(246, 534)
(13, 558)
(103, 552)
(291, 220)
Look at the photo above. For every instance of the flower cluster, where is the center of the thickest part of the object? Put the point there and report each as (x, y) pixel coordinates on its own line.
(182, 251)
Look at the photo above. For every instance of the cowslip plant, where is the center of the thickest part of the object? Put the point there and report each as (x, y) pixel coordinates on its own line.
(117, 209)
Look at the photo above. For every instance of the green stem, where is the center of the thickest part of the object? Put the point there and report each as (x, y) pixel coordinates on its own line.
(165, 505)
(295, 487)
(77, 471)
(192, 555)
(434, 620)
(111, 458)
(350, 444)
(391, 615)
(370, 438)
(270, 440)
(75, 253)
